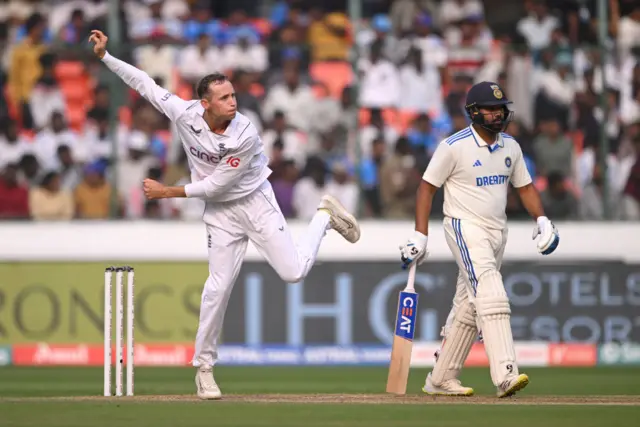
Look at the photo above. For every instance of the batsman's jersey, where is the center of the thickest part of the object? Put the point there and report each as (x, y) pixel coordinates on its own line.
(476, 176)
(229, 165)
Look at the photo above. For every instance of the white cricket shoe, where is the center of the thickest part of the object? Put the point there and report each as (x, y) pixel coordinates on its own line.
(512, 385)
(206, 385)
(341, 220)
(451, 387)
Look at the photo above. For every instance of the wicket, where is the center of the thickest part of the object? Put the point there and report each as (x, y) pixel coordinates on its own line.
(119, 360)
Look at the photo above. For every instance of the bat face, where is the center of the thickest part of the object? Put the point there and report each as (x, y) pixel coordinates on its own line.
(406, 316)
(402, 343)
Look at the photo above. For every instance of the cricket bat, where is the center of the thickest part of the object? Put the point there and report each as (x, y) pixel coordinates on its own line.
(403, 336)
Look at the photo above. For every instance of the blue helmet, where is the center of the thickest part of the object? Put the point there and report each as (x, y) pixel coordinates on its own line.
(488, 94)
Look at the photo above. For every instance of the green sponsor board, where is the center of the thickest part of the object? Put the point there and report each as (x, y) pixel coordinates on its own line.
(64, 302)
(619, 354)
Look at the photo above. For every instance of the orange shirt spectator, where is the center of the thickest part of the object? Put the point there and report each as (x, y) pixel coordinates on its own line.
(25, 61)
(93, 195)
(329, 37)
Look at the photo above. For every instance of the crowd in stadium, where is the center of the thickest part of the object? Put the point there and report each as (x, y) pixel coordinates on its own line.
(294, 67)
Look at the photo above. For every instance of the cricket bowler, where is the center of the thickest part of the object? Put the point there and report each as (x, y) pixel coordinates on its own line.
(229, 171)
(475, 166)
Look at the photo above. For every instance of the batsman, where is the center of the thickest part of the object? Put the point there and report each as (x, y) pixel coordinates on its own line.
(475, 166)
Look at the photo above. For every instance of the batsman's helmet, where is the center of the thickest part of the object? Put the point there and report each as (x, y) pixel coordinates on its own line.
(488, 94)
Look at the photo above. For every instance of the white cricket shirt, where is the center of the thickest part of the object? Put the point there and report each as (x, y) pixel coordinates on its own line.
(224, 167)
(476, 176)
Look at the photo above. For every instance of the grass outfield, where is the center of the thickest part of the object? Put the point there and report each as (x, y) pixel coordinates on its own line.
(324, 397)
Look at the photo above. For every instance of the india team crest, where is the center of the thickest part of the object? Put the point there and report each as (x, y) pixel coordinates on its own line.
(507, 161)
(497, 93)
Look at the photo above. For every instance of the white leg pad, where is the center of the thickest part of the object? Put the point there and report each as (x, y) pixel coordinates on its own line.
(457, 344)
(494, 313)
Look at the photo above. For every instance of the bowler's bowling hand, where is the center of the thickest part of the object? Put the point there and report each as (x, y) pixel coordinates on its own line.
(100, 42)
(153, 189)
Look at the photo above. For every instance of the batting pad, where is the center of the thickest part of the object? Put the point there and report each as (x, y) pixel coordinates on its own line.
(457, 344)
(492, 306)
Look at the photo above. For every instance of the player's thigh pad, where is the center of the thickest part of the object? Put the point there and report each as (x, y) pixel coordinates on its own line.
(494, 312)
(458, 342)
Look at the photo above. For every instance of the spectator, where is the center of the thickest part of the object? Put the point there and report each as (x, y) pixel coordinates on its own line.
(49, 201)
(238, 25)
(75, 31)
(247, 102)
(328, 35)
(295, 100)
(467, 48)
(553, 150)
(631, 193)
(557, 91)
(143, 30)
(452, 11)
(25, 67)
(244, 51)
(342, 187)
(14, 197)
(93, 195)
(376, 128)
(308, 191)
(50, 138)
(558, 202)
(46, 97)
(381, 31)
(380, 86)
(326, 111)
(30, 170)
(133, 169)
(628, 29)
(399, 182)
(202, 23)
(592, 201)
(434, 50)
(198, 60)
(421, 136)
(538, 26)
(370, 169)
(420, 86)
(70, 173)
(136, 206)
(288, 45)
(293, 142)
(12, 145)
(283, 187)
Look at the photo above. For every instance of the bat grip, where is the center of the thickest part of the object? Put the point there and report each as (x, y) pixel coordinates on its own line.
(412, 278)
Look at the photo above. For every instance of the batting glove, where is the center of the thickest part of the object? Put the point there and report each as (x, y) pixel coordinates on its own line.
(548, 236)
(414, 250)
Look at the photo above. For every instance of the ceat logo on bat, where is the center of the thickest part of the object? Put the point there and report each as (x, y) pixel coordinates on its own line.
(406, 317)
(234, 162)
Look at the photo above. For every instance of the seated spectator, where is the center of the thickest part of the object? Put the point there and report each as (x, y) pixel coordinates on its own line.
(136, 206)
(294, 99)
(452, 11)
(245, 51)
(46, 97)
(399, 182)
(308, 191)
(288, 45)
(328, 35)
(380, 85)
(294, 143)
(420, 86)
(157, 59)
(12, 145)
(631, 192)
(30, 170)
(238, 23)
(93, 195)
(202, 23)
(557, 91)
(592, 200)
(142, 30)
(370, 177)
(376, 128)
(14, 197)
(48, 140)
(199, 59)
(557, 200)
(538, 26)
(326, 111)
(421, 137)
(342, 187)
(283, 187)
(49, 201)
(75, 31)
(553, 150)
(247, 101)
(70, 172)
(133, 169)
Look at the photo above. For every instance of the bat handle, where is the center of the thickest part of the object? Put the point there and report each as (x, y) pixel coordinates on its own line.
(412, 278)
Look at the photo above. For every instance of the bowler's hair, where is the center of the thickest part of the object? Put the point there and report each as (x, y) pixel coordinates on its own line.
(203, 85)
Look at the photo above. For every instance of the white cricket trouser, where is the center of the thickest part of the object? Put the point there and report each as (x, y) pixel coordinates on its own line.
(476, 250)
(230, 225)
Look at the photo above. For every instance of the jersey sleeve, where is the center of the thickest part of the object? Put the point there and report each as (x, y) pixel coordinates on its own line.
(231, 168)
(440, 166)
(163, 100)
(520, 176)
